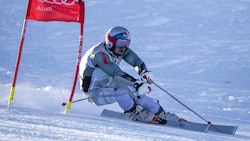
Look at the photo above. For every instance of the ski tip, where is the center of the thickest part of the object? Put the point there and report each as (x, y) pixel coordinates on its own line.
(209, 122)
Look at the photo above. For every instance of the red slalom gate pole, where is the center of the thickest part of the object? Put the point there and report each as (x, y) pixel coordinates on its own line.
(18, 60)
(77, 65)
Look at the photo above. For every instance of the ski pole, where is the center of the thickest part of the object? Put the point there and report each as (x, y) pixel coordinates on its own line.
(65, 103)
(78, 100)
(208, 122)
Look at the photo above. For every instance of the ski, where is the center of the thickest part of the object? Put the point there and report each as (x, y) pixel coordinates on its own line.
(182, 125)
(193, 126)
(223, 129)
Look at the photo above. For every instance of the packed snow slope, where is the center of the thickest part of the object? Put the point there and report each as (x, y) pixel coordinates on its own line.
(199, 51)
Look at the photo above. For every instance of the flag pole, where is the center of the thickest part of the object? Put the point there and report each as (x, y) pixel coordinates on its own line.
(18, 60)
(78, 61)
(77, 70)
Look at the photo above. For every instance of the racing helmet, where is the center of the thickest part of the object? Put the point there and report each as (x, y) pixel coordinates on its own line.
(117, 37)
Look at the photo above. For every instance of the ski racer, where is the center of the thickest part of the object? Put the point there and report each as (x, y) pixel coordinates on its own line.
(103, 81)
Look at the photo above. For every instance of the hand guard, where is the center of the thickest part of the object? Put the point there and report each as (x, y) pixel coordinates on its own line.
(142, 88)
(146, 76)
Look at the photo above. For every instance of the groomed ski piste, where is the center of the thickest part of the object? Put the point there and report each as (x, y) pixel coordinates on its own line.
(197, 50)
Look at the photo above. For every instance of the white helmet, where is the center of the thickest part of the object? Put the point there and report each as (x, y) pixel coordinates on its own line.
(117, 37)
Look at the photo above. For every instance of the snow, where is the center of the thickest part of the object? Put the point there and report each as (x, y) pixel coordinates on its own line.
(197, 50)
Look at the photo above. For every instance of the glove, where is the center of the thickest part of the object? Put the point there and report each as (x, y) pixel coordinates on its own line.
(142, 88)
(146, 76)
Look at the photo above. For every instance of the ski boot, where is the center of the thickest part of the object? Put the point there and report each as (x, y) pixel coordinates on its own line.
(139, 114)
(168, 116)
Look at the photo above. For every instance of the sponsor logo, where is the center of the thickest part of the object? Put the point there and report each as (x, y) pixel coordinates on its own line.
(59, 2)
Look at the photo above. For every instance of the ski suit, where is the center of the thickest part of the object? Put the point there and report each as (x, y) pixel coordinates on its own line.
(103, 81)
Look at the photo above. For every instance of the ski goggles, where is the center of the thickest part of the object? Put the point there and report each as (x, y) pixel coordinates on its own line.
(120, 43)
(119, 40)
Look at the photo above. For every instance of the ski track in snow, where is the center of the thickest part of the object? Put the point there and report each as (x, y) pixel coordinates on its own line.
(197, 50)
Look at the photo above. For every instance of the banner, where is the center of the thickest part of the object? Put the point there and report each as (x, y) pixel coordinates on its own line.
(55, 10)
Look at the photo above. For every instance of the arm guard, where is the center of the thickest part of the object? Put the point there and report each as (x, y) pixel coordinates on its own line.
(134, 60)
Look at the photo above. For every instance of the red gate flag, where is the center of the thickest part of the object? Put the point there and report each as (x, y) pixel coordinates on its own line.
(55, 10)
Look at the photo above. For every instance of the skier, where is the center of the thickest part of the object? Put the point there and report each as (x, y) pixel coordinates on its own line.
(103, 81)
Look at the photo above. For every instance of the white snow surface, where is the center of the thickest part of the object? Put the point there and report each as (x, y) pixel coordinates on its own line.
(199, 51)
